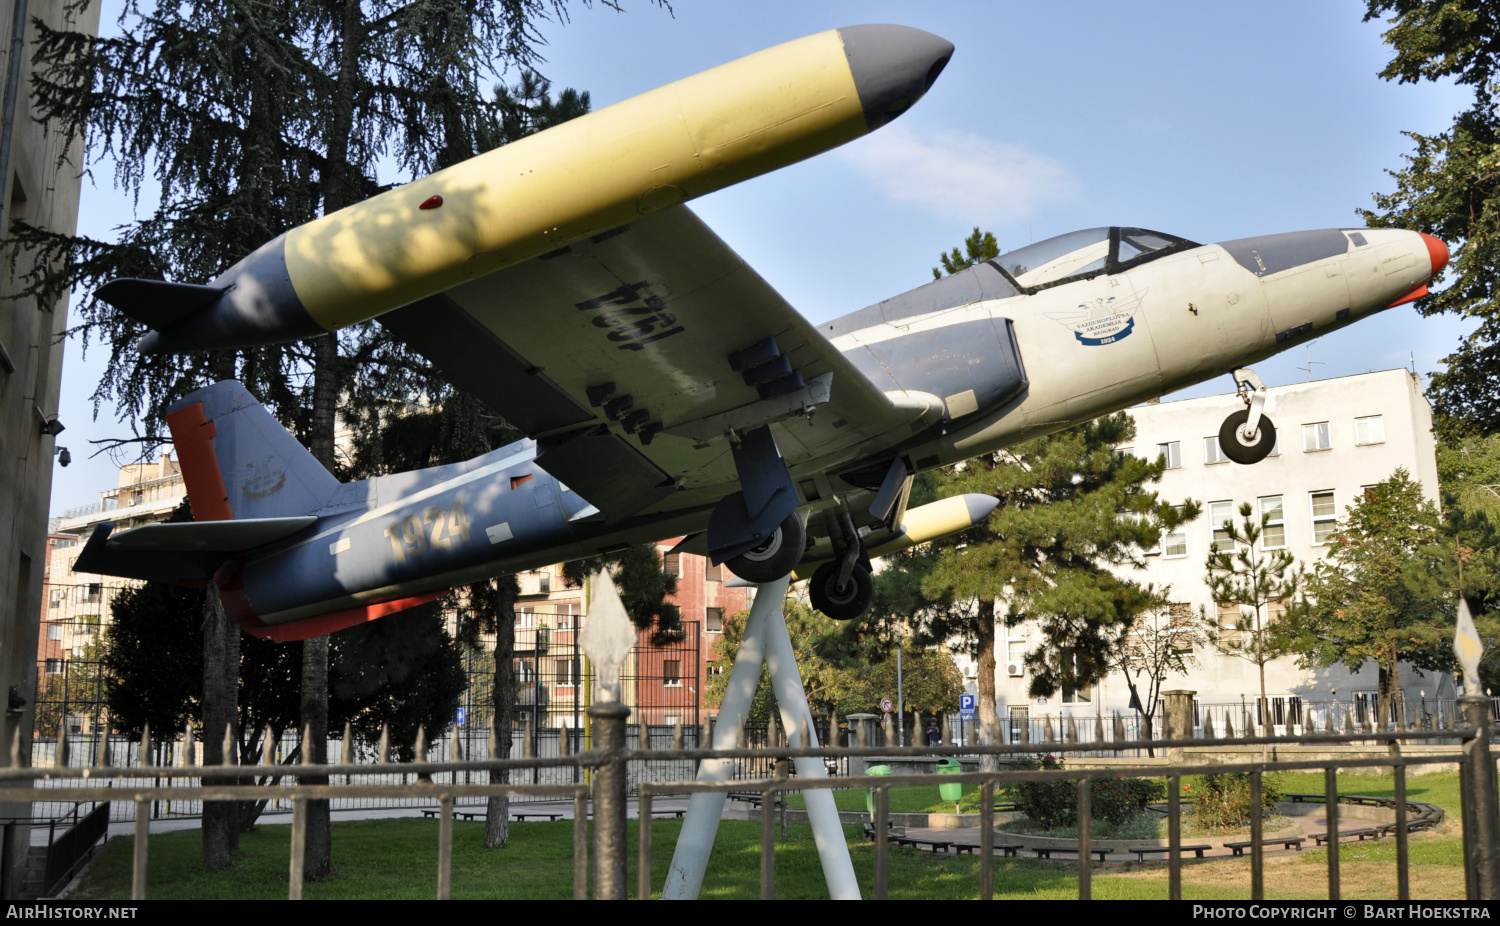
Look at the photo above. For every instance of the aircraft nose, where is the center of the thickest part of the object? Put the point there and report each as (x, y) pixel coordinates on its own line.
(1437, 250)
(893, 66)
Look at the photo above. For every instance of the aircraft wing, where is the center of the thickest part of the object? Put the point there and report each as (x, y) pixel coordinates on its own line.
(631, 355)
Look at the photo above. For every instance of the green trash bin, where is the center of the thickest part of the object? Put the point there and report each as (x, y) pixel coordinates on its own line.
(877, 771)
(955, 791)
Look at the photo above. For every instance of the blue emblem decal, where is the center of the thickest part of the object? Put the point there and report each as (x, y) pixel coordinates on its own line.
(1103, 321)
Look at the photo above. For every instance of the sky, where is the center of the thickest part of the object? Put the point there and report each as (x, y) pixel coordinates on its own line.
(1206, 120)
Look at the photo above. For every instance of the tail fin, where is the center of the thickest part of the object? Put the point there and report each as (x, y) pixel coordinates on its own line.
(239, 463)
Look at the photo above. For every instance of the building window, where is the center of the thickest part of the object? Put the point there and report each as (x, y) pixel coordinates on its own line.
(712, 573)
(1231, 637)
(1275, 610)
(1212, 452)
(1273, 535)
(671, 564)
(1370, 430)
(54, 666)
(1180, 617)
(525, 617)
(54, 631)
(1325, 518)
(1218, 513)
(1123, 452)
(671, 673)
(564, 672)
(1173, 453)
(1316, 437)
(1174, 542)
(93, 592)
(713, 619)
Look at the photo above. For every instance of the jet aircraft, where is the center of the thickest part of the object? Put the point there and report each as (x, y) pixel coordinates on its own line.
(665, 388)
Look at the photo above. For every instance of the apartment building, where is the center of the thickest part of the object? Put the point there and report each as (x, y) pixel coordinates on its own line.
(1334, 438)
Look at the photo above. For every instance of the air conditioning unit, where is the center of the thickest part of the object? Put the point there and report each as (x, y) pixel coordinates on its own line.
(1014, 669)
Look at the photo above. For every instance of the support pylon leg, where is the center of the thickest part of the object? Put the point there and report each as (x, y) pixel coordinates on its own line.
(796, 719)
(765, 640)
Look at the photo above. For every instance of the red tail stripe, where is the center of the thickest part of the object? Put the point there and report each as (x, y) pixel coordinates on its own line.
(338, 620)
(192, 432)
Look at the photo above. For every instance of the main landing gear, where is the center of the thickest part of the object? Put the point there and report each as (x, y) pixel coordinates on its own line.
(842, 587)
(1248, 436)
(774, 557)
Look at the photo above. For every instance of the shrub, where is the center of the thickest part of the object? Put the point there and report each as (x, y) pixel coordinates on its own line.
(1224, 800)
(1055, 803)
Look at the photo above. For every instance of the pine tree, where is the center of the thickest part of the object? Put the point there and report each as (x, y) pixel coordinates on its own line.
(253, 117)
(1248, 575)
(978, 248)
(1072, 512)
(1450, 187)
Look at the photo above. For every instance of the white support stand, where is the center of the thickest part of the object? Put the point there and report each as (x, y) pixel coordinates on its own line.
(765, 641)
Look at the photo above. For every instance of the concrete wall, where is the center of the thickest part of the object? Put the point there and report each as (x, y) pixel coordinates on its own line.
(42, 194)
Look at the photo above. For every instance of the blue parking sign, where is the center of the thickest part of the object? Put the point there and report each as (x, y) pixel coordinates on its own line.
(966, 702)
(461, 711)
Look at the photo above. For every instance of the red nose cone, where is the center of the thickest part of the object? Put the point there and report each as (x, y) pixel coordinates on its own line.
(1438, 251)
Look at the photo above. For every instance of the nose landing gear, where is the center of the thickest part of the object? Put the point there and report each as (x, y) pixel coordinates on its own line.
(1248, 436)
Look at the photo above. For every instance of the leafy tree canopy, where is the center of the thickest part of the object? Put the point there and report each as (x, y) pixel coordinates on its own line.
(1450, 187)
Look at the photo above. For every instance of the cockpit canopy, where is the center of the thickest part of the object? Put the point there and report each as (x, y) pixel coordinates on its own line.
(1082, 254)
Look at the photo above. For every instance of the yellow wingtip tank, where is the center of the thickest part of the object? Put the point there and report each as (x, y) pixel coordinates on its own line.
(593, 173)
(924, 523)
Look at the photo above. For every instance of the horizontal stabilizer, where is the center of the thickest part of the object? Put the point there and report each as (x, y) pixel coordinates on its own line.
(186, 552)
(210, 536)
(157, 303)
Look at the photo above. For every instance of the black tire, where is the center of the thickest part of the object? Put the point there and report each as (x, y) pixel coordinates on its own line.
(1233, 444)
(841, 604)
(777, 556)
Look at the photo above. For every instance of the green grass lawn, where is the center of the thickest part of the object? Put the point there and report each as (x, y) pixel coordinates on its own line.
(397, 859)
(1440, 788)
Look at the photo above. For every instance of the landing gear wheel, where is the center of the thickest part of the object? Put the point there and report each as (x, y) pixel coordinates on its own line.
(841, 604)
(778, 555)
(1234, 444)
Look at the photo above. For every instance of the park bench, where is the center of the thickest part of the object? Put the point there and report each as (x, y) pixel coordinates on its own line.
(1046, 851)
(753, 798)
(1010, 851)
(1293, 842)
(538, 813)
(1143, 851)
(461, 814)
(664, 814)
(1367, 832)
(937, 845)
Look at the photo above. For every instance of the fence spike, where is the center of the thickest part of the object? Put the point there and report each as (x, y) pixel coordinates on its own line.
(527, 750)
(385, 743)
(228, 746)
(62, 744)
(740, 740)
(145, 744)
(346, 746)
(947, 732)
(15, 748)
(307, 751)
(453, 751)
(268, 747)
(101, 757)
(187, 746)
(643, 733)
(494, 738)
(1098, 728)
(890, 731)
(421, 746)
(677, 734)
(565, 741)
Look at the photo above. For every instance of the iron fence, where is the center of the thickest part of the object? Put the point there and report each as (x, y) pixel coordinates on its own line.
(606, 778)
